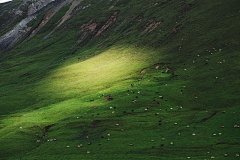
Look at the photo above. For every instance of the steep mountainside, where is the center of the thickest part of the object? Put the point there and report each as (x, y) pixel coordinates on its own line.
(119, 79)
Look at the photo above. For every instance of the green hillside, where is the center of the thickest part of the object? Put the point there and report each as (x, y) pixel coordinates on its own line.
(125, 79)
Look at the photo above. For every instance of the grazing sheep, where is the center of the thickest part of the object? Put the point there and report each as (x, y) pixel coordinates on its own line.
(214, 134)
(109, 135)
(117, 124)
(179, 134)
(110, 107)
(20, 127)
(188, 157)
(220, 134)
(67, 146)
(187, 125)
(88, 152)
(193, 134)
(152, 140)
(212, 157)
(171, 143)
(225, 155)
(77, 117)
(163, 139)
(175, 123)
(237, 155)
(131, 144)
(222, 126)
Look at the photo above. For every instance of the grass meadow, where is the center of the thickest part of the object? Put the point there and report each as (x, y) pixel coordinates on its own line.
(113, 96)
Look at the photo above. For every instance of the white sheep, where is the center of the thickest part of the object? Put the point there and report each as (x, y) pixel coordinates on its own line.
(110, 107)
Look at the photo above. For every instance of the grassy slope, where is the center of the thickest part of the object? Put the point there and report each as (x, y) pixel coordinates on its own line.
(57, 94)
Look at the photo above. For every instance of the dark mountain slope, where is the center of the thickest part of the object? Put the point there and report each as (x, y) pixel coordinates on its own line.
(123, 79)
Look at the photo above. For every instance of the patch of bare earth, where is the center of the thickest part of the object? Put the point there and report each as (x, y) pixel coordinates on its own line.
(108, 23)
(175, 30)
(90, 27)
(65, 17)
(151, 25)
(143, 70)
(113, 5)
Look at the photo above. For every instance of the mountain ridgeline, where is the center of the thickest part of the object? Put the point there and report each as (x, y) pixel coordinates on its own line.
(119, 79)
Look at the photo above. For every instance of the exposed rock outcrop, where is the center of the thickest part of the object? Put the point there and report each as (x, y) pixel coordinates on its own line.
(11, 37)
